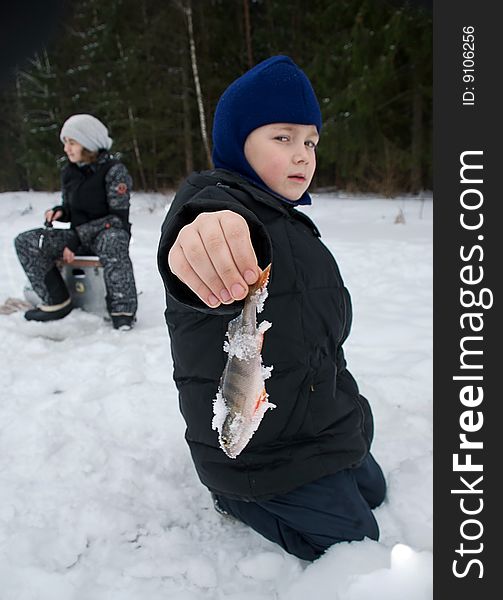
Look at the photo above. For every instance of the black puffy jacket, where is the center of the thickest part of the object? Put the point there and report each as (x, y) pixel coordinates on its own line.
(321, 424)
(95, 196)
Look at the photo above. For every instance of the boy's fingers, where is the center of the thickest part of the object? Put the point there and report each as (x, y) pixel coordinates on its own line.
(234, 287)
(215, 258)
(181, 267)
(200, 247)
(237, 235)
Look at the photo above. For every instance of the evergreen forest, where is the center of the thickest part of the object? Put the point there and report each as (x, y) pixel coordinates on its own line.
(153, 70)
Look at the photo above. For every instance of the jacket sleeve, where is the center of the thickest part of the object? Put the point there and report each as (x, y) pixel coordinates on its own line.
(118, 184)
(347, 383)
(210, 199)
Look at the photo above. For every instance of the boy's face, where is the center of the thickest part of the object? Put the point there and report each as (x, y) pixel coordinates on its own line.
(283, 155)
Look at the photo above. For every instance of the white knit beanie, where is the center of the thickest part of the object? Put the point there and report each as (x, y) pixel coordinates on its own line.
(87, 131)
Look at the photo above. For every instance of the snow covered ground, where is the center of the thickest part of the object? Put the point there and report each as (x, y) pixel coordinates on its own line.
(98, 496)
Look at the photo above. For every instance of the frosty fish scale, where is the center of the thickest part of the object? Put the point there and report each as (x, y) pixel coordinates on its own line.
(241, 400)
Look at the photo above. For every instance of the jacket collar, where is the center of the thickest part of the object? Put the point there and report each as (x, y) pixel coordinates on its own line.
(103, 157)
(230, 179)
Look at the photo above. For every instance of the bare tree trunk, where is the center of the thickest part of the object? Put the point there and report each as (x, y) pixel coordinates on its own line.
(200, 106)
(416, 175)
(249, 52)
(153, 130)
(132, 126)
(136, 146)
(187, 121)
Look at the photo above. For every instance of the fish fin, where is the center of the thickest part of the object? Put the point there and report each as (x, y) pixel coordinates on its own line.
(261, 398)
(260, 342)
(261, 281)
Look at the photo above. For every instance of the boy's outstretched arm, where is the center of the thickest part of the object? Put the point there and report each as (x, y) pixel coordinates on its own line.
(214, 257)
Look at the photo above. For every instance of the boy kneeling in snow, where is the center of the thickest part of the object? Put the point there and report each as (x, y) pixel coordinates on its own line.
(306, 480)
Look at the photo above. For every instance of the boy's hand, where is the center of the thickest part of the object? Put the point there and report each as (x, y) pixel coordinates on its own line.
(215, 258)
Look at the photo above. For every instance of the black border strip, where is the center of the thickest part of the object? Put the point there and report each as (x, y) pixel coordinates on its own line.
(467, 251)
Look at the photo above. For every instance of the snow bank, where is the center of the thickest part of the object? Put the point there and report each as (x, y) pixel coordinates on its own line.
(98, 496)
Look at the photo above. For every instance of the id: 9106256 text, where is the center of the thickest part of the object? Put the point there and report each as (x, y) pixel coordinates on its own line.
(469, 66)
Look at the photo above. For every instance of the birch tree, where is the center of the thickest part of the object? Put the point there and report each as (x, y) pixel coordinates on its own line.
(197, 84)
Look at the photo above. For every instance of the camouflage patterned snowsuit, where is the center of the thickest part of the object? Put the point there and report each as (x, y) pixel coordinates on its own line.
(96, 203)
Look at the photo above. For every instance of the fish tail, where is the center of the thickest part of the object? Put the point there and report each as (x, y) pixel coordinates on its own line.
(261, 281)
(261, 398)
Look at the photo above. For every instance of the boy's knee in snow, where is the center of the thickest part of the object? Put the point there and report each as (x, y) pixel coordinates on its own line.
(369, 528)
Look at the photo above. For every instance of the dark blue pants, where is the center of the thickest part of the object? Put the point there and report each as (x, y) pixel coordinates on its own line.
(313, 517)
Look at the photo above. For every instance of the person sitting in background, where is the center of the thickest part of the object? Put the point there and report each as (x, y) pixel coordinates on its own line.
(95, 189)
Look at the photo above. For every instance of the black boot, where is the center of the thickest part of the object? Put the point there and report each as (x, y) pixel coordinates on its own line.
(49, 313)
(123, 322)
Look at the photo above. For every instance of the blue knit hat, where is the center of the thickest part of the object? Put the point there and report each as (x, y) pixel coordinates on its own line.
(274, 91)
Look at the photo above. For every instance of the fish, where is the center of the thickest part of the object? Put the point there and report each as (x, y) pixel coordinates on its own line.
(242, 401)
